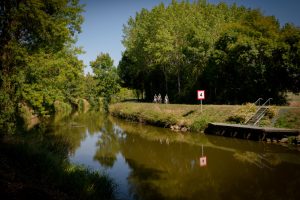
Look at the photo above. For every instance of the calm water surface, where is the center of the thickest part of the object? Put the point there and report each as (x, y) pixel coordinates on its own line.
(155, 163)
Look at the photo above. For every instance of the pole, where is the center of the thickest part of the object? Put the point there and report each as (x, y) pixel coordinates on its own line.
(202, 149)
(201, 104)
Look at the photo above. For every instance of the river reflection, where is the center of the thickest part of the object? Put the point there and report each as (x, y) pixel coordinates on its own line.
(155, 163)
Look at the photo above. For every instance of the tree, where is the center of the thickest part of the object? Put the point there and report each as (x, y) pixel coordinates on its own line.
(106, 77)
(290, 35)
(27, 29)
(51, 77)
(236, 54)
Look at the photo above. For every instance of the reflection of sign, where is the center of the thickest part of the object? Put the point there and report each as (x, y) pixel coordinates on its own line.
(200, 94)
(202, 161)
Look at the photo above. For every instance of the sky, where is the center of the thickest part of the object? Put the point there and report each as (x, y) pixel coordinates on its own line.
(102, 29)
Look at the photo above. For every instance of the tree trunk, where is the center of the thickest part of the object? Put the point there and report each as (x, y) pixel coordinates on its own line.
(166, 79)
(178, 82)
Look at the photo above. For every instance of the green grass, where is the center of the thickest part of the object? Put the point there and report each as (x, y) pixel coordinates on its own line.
(289, 119)
(189, 116)
(37, 167)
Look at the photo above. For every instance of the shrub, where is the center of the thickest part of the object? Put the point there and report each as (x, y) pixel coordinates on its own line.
(61, 107)
(239, 119)
(25, 112)
(83, 105)
(271, 112)
(199, 124)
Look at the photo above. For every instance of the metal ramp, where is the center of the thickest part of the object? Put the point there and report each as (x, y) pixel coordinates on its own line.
(259, 114)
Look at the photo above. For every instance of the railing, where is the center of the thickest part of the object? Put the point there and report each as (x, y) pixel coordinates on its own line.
(257, 111)
(254, 104)
(261, 115)
(268, 101)
(258, 100)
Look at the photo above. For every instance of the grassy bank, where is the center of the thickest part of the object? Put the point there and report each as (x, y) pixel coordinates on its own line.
(36, 167)
(189, 117)
(289, 118)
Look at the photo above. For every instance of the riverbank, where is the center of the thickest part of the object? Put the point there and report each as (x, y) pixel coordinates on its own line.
(181, 117)
(36, 166)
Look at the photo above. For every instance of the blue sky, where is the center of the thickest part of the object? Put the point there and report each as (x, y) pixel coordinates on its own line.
(104, 20)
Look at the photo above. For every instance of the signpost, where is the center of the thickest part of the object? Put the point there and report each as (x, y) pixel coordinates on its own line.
(201, 96)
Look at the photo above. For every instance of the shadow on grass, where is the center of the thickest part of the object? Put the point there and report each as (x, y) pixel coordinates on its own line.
(35, 166)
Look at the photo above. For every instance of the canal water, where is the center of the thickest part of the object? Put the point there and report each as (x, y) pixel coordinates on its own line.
(155, 163)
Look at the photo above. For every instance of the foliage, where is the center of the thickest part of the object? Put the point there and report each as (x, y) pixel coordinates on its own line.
(235, 54)
(199, 125)
(271, 112)
(237, 119)
(49, 78)
(106, 78)
(62, 108)
(83, 105)
(90, 91)
(243, 114)
(38, 64)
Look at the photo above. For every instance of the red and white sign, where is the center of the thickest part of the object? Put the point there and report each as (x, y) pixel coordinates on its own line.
(203, 161)
(200, 94)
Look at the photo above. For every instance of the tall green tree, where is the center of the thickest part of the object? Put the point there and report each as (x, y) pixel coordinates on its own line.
(251, 60)
(51, 77)
(27, 29)
(106, 77)
(236, 54)
(290, 36)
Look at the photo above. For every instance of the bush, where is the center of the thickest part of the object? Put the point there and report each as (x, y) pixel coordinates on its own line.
(236, 119)
(61, 107)
(83, 105)
(199, 124)
(25, 112)
(271, 112)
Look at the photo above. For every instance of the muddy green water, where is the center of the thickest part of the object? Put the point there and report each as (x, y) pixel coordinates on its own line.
(155, 163)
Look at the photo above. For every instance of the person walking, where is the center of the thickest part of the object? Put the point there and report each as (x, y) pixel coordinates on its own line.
(166, 99)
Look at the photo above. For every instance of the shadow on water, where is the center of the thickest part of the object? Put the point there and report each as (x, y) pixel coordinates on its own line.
(140, 181)
(34, 165)
(154, 163)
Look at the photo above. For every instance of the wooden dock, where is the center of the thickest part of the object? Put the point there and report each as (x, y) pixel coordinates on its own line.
(249, 132)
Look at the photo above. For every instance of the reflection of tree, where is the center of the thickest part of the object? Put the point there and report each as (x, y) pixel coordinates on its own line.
(108, 144)
(141, 179)
(108, 147)
(165, 165)
(73, 128)
(161, 170)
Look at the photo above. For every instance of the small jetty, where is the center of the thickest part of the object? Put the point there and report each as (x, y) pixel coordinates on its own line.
(250, 132)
